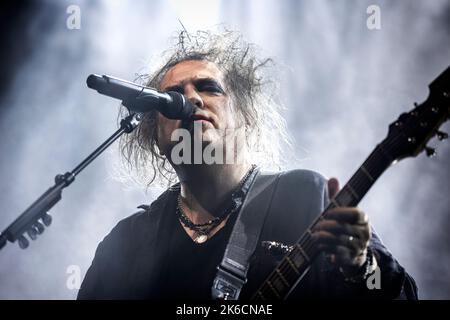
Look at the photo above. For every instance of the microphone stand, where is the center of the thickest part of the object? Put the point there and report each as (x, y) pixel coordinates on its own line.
(33, 219)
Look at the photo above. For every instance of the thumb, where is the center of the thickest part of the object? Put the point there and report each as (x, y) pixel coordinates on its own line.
(333, 187)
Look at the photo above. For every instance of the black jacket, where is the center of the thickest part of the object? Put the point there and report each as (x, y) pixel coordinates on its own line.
(130, 260)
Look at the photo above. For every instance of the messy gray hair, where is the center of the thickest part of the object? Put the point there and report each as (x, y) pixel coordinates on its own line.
(246, 78)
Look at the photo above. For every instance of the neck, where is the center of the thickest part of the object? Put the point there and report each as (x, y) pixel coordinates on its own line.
(205, 187)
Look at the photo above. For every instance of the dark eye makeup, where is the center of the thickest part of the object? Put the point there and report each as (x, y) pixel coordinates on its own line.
(208, 85)
(176, 88)
(202, 85)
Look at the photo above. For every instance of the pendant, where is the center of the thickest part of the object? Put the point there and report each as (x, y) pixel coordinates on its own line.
(201, 238)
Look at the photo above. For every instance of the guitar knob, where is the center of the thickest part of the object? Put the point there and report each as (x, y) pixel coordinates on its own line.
(39, 227)
(442, 135)
(32, 233)
(431, 152)
(23, 242)
(46, 219)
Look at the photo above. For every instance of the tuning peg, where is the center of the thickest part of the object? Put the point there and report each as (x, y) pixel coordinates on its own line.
(46, 219)
(32, 233)
(23, 242)
(39, 227)
(431, 152)
(442, 135)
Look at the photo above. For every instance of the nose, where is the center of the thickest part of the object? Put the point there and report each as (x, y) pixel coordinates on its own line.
(192, 95)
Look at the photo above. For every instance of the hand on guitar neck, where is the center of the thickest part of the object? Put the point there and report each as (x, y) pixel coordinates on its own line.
(343, 233)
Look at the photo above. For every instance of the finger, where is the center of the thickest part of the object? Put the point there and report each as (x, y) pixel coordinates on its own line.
(334, 227)
(343, 256)
(358, 231)
(329, 257)
(350, 215)
(361, 231)
(338, 254)
(325, 238)
(333, 187)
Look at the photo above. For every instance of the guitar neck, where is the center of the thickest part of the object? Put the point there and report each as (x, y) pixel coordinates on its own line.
(297, 262)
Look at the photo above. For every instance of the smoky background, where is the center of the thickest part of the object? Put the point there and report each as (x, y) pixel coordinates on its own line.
(341, 84)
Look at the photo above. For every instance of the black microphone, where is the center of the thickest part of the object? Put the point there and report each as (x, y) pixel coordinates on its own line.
(138, 98)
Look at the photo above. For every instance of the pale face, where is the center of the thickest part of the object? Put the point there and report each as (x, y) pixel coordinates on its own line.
(203, 85)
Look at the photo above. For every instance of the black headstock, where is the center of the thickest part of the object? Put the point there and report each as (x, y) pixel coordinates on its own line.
(409, 134)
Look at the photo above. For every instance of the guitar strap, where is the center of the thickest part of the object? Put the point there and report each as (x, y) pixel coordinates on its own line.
(232, 271)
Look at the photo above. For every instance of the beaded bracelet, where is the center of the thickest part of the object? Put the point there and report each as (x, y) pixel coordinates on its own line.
(367, 269)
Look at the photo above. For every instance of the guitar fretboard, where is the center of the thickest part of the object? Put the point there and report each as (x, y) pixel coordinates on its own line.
(296, 263)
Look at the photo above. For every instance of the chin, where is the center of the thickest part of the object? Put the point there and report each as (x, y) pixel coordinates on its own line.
(211, 138)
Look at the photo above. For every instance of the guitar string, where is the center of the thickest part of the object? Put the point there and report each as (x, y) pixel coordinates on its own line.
(357, 183)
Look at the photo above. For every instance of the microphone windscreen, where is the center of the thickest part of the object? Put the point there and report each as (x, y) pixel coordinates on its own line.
(94, 81)
(180, 108)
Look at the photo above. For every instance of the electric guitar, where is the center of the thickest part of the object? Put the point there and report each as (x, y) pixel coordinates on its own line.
(407, 137)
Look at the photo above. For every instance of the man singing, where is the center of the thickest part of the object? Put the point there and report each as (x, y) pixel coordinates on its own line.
(171, 248)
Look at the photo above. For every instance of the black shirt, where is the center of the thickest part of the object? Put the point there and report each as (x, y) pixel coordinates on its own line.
(149, 255)
(190, 266)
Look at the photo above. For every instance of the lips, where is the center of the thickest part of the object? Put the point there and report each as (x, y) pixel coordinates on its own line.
(197, 117)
